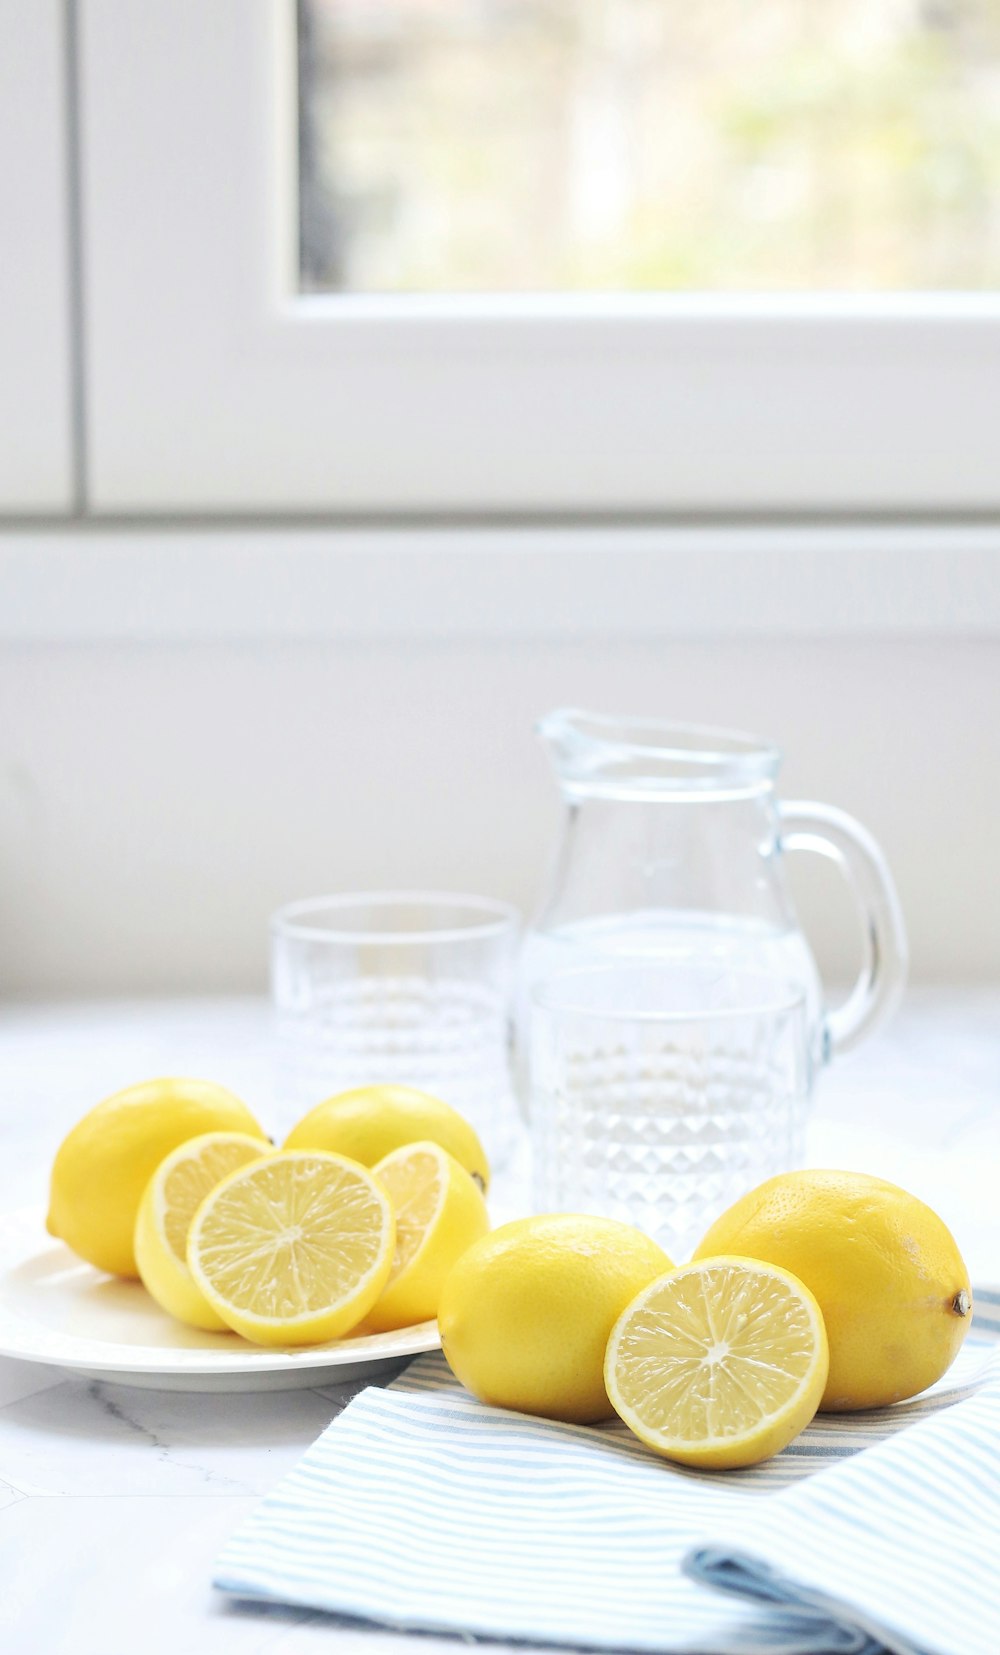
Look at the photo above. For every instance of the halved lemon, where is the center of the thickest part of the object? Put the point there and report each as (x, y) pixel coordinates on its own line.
(169, 1202)
(440, 1212)
(293, 1249)
(718, 1364)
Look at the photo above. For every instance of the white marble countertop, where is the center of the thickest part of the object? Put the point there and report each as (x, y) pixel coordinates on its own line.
(115, 1501)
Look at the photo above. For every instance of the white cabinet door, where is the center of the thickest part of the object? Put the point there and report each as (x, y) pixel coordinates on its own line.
(36, 450)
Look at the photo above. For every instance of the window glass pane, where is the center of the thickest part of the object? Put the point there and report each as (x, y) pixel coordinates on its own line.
(513, 145)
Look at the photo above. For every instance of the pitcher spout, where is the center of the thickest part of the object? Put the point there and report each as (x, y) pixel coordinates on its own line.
(598, 752)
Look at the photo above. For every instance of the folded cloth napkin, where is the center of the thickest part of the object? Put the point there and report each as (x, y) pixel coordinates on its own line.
(420, 1508)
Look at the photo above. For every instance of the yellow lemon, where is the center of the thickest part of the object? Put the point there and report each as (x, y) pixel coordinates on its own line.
(104, 1164)
(888, 1276)
(718, 1364)
(368, 1123)
(293, 1249)
(439, 1212)
(172, 1197)
(526, 1313)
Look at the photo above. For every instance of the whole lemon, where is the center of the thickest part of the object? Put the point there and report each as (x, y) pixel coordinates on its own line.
(371, 1121)
(886, 1271)
(104, 1164)
(526, 1313)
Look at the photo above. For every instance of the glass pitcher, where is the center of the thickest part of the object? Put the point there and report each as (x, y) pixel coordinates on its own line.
(673, 850)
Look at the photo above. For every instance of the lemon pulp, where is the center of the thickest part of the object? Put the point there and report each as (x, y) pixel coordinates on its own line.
(293, 1249)
(719, 1364)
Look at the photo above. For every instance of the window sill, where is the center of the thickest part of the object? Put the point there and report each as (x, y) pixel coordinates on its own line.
(90, 583)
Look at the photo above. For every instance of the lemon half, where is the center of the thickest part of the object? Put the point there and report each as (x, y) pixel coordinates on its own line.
(719, 1364)
(172, 1197)
(440, 1212)
(293, 1249)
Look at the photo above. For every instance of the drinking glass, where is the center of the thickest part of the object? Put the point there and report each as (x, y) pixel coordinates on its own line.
(659, 1093)
(405, 987)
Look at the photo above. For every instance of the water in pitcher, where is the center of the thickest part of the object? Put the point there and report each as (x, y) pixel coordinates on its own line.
(677, 938)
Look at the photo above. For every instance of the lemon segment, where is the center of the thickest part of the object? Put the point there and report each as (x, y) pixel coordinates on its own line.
(888, 1276)
(172, 1197)
(371, 1121)
(719, 1364)
(103, 1165)
(439, 1212)
(525, 1314)
(293, 1249)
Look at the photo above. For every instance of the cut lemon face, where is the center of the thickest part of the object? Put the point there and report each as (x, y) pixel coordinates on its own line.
(440, 1212)
(170, 1200)
(293, 1249)
(719, 1364)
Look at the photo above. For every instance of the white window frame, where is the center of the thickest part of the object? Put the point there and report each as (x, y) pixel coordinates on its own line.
(36, 374)
(213, 387)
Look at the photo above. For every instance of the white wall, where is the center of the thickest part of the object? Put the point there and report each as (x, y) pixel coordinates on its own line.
(158, 799)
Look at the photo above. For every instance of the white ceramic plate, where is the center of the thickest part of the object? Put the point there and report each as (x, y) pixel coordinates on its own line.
(56, 1309)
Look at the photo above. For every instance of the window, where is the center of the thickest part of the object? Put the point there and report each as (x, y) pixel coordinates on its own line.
(437, 378)
(518, 145)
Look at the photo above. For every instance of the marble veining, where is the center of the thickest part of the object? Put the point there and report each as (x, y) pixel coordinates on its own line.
(8, 1495)
(92, 1438)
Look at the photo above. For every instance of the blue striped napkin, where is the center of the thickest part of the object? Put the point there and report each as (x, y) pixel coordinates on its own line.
(420, 1508)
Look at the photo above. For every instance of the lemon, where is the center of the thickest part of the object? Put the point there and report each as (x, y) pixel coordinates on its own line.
(439, 1212)
(172, 1197)
(293, 1249)
(104, 1164)
(525, 1314)
(888, 1276)
(370, 1122)
(718, 1364)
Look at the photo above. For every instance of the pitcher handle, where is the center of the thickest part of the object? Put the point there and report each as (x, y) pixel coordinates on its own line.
(875, 995)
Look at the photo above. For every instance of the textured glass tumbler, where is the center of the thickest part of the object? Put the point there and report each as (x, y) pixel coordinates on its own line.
(660, 1094)
(407, 987)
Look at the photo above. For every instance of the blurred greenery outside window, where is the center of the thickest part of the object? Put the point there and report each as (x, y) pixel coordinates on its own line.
(520, 145)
